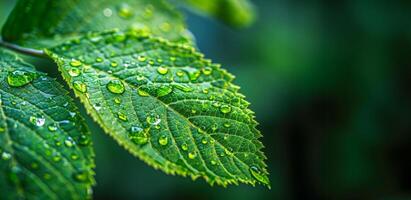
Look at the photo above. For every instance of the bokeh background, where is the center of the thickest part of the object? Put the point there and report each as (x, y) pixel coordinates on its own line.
(330, 84)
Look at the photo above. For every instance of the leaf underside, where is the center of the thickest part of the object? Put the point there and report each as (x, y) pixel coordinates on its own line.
(165, 104)
(45, 148)
(236, 13)
(45, 23)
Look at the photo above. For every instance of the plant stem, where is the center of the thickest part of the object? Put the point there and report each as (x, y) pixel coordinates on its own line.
(24, 50)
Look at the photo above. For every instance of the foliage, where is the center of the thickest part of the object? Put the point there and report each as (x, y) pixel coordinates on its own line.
(134, 68)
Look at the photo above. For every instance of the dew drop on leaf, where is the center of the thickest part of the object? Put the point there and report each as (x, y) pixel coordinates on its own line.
(192, 155)
(116, 87)
(117, 100)
(184, 147)
(138, 135)
(69, 142)
(162, 70)
(99, 59)
(80, 86)
(84, 140)
(204, 141)
(114, 64)
(52, 127)
(182, 87)
(153, 119)
(142, 92)
(37, 121)
(75, 63)
(180, 73)
(141, 58)
(74, 72)
(258, 175)
(227, 125)
(225, 109)
(74, 156)
(163, 140)
(5, 156)
(125, 11)
(164, 90)
(122, 116)
(81, 176)
(207, 70)
(19, 78)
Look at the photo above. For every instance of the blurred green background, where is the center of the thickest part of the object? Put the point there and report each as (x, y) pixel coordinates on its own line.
(330, 84)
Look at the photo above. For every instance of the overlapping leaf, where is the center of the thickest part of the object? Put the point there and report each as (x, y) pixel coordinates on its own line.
(166, 104)
(45, 147)
(237, 13)
(39, 23)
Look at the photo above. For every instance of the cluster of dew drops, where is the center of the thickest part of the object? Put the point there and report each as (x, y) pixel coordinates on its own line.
(138, 135)
(19, 78)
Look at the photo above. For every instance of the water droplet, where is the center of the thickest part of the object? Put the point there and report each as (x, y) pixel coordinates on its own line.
(74, 156)
(207, 70)
(162, 70)
(194, 75)
(182, 87)
(138, 135)
(5, 156)
(69, 142)
(57, 158)
(163, 140)
(227, 125)
(193, 111)
(259, 175)
(74, 72)
(75, 63)
(141, 58)
(204, 141)
(125, 11)
(97, 106)
(142, 92)
(107, 12)
(84, 140)
(164, 90)
(180, 73)
(122, 116)
(184, 147)
(192, 155)
(114, 64)
(213, 162)
(153, 119)
(99, 59)
(205, 91)
(116, 87)
(117, 100)
(81, 176)
(19, 78)
(225, 109)
(80, 86)
(38, 121)
(52, 127)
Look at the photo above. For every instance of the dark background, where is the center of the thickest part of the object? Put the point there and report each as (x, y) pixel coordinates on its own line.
(330, 84)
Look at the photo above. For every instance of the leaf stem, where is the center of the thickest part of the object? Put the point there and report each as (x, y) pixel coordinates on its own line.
(24, 50)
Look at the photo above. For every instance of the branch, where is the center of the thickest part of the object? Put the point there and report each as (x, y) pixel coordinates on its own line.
(24, 50)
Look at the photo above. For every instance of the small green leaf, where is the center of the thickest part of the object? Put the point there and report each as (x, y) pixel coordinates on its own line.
(39, 23)
(167, 105)
(237, 13)
(41, 153)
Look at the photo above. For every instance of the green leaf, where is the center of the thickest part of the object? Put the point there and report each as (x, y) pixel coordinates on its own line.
(39, 23)
(45, 148)
(167, 105)
(237, 13)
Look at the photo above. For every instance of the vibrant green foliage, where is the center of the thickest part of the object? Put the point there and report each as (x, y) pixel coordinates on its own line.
(133, 65)
(36, 23)
(45, 147)
(166, 104)
(237, 13)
